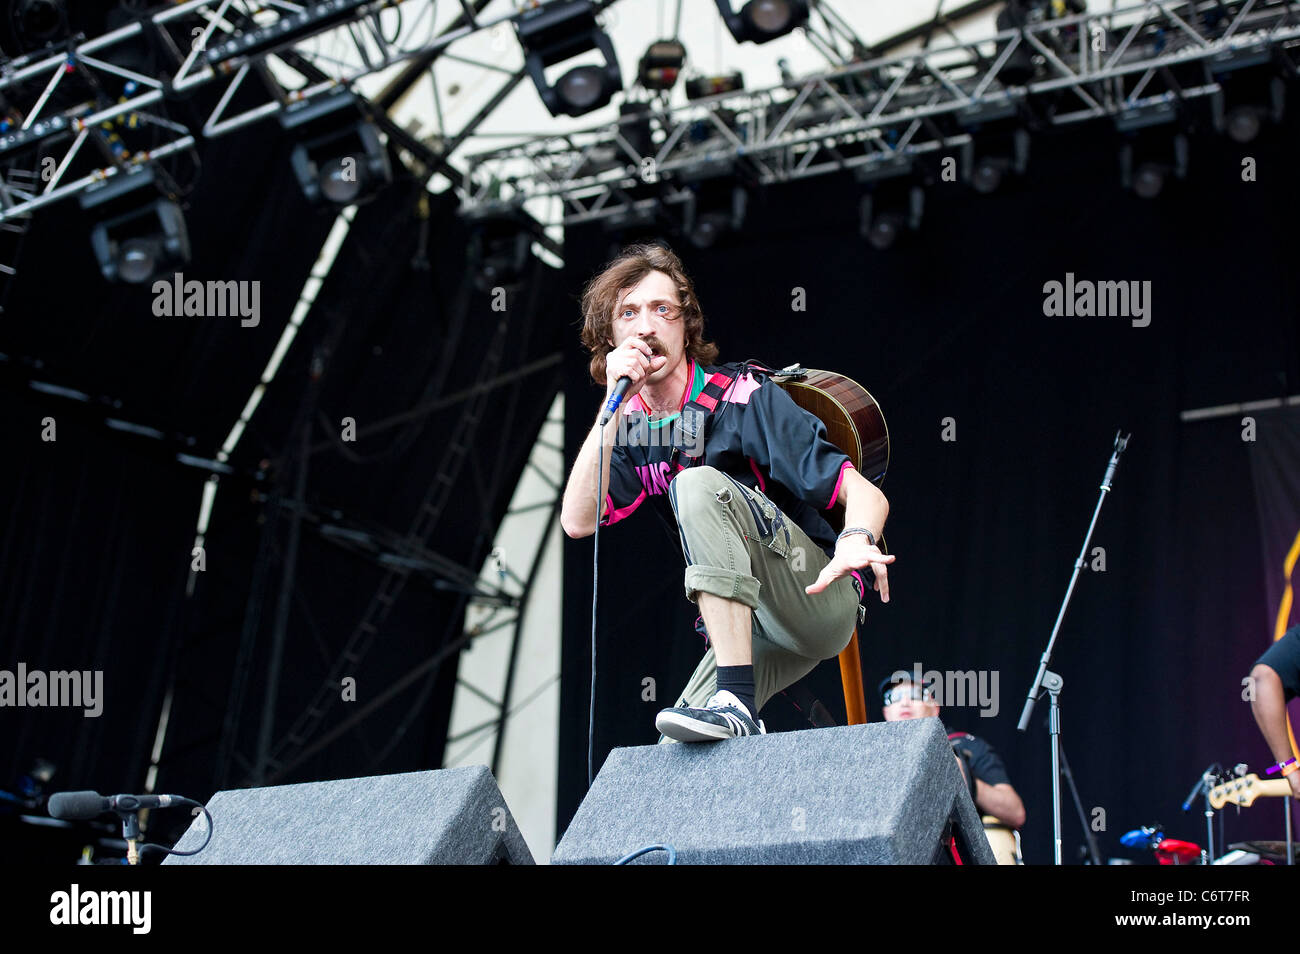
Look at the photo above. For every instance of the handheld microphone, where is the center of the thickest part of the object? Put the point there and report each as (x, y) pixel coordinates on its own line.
(615, 399)
(81, 806)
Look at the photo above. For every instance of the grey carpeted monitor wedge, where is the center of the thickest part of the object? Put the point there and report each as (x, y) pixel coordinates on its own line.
(453, 816)
(865, 794)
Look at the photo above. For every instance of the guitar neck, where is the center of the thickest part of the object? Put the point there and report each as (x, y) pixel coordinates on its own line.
(1273, 787)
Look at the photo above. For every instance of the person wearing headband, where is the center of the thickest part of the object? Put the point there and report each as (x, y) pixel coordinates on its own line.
(980, 765)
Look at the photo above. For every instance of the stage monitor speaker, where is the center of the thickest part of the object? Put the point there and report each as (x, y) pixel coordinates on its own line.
(452, 816)
(882, 793)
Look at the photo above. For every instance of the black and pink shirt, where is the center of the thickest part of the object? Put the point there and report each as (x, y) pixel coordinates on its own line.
(756, 434)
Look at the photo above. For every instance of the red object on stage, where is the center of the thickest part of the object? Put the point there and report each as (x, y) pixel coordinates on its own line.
(1171, 851)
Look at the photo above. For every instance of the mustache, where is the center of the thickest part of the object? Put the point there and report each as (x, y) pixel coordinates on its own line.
(655, 344)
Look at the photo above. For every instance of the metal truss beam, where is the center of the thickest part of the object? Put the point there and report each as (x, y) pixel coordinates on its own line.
(61, 100)
(303, 736)
(1109, 64)
(942, 19)
(501, 700)
(513, 665)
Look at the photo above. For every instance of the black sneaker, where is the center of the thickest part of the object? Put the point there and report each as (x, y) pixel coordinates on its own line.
(724, 717)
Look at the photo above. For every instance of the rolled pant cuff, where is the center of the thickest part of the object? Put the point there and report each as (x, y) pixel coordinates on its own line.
(727, 584)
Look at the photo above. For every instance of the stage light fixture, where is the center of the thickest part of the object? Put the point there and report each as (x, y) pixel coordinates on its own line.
(1149, 180)
(661, 65)
(557, 32)
(339, 158)
(40, 19)
(892, 201)
(139, 233)
(582, 89)
(1261, 100)
(1243, 123)
(987, 175)
(707, 217)
(882, 221)
(1146, 173)
(500, 246)
(987, 172)
(698, 87)
(641, 218)
(762, 20)
(883, 230)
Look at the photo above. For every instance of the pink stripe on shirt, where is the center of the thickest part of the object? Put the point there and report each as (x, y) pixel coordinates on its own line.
(848, 465)
(614, 516)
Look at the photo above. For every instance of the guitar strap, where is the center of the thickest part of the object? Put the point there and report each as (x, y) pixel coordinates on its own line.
(690, 429)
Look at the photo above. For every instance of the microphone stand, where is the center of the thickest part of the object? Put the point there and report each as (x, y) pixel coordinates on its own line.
(1207, 857)
(1094, 852)
(1290, 844)
(1052, 682)
(131, 832)
(1202, 790)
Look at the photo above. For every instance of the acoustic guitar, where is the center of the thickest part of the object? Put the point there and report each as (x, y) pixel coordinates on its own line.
(854, 422)
(856, 425)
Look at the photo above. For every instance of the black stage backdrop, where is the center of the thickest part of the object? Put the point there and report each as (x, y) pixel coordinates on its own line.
(987, 527)
(1275, 464)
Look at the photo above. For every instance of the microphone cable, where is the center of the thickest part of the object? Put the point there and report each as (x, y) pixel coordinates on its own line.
(172, 851)
(595, 580)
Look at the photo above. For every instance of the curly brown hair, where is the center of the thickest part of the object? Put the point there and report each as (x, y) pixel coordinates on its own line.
(601, 296)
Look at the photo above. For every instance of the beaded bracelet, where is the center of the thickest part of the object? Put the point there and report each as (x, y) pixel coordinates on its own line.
(871, 537)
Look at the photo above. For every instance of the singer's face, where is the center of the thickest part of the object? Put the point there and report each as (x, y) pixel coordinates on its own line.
(650, 311)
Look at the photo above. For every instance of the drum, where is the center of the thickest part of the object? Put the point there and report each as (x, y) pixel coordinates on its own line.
(1004, 840)
(1172, 851)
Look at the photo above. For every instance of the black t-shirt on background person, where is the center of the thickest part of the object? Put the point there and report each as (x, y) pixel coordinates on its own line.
(984, 761)
(1283, 657)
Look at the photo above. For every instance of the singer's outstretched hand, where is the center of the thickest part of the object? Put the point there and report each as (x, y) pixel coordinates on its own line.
(854, 553)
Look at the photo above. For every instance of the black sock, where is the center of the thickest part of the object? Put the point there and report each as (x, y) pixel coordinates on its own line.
(739, 681)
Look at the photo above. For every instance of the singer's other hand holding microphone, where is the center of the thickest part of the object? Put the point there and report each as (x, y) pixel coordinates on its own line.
(634, 359)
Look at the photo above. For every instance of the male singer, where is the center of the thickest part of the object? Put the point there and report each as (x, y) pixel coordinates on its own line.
(777, 589)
